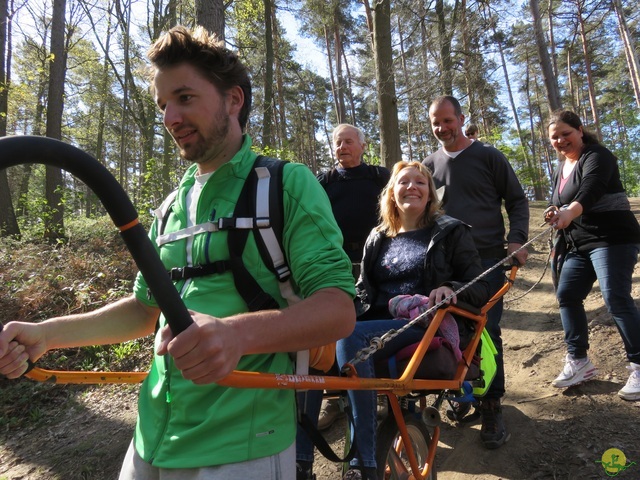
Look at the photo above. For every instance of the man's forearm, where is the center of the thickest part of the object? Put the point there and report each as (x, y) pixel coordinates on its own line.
(324, 317)
(123, 320)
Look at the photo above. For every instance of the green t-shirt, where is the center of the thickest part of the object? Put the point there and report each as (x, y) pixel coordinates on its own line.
(182, 425)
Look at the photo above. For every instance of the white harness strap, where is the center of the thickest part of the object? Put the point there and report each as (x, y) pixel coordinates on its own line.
(212, 226)
(277, 257)
(162, 210)
(186, 233)
(268, 235)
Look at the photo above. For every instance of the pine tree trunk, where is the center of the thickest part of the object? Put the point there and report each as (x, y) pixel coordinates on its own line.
(407, 82)
(444, 38)
(629, 50)
(267, 114)
(8, 222)
(550, 82)
(280, 116)
(587, 63)
(337, 41)
(54, 216)
(387, 101)
(210, 15)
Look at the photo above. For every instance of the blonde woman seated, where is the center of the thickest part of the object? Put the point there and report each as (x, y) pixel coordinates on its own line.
(415, 249)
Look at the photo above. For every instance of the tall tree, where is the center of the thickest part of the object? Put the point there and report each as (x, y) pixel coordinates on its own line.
(210, 14)
(445, 36)
(537, 184)
(8, 222)
(405, 75)
(280, 73)
(339, 94)
(580, 5)
(630, 51)
(390, 151)
(550, 82)
(54, 217)
(267, 118)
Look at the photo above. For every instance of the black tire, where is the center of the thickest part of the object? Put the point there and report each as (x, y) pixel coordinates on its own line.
(388, 437)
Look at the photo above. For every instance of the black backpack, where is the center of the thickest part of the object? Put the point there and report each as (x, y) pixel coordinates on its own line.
(259, 209)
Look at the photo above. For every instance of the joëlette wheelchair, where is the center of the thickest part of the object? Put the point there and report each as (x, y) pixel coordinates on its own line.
(406, 446)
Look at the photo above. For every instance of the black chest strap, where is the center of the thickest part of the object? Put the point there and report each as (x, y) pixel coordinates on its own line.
(259, 209)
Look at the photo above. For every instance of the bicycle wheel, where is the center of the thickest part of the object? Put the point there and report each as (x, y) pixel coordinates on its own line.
(391, 456)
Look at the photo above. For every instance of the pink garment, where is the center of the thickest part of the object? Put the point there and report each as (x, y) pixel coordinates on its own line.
(408, 307)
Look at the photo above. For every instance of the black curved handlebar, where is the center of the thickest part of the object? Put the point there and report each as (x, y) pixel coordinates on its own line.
(20, 150)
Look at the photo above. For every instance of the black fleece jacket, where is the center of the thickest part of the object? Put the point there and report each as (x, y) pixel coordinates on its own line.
(595, 176)
(452, 259)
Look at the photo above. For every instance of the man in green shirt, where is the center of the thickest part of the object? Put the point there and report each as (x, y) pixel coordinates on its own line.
(188, 425)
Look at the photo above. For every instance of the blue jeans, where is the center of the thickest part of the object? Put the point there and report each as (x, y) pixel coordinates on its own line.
(613, 267)
(496, 281)
(364, 402)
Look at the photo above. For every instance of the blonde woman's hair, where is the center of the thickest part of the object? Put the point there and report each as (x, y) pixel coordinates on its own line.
(389, 215)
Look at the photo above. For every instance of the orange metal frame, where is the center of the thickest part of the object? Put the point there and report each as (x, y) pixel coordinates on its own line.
(392, 388)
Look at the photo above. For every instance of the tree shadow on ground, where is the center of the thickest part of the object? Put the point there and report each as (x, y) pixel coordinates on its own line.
(69, 432)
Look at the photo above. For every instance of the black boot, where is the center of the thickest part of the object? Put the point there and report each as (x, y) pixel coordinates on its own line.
(304, 470)
(461, 411)
(493, 432)
(361, 473)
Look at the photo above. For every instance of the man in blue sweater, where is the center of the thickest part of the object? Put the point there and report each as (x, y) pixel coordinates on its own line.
(477, 180)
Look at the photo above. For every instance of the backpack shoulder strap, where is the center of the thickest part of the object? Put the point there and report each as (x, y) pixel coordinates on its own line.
(269, 204)
(269, 213)
(161, 212)
(262, 199)
(330, 176)
(323, 178)
(380, 175)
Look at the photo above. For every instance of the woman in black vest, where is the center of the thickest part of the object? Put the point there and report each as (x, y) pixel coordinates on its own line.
(590, 209)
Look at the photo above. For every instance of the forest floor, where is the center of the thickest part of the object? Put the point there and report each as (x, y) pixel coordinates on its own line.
(83, 432)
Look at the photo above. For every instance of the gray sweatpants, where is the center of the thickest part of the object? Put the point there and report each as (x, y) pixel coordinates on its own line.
(276, 467)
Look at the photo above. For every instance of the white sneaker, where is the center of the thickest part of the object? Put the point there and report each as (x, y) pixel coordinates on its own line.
(575, 371)
(631, 391)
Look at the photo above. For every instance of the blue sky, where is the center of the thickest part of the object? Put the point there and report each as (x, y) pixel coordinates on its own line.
(307, 53)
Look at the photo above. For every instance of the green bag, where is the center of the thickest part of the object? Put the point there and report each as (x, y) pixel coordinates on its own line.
(488, 364)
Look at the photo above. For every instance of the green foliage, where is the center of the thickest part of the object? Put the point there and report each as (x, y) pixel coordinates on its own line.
(134, 355)
(282, 154)
(151, 186)
(41, 280)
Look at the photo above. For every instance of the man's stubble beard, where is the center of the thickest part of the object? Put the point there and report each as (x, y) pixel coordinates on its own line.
(450, 141)
(214, 139)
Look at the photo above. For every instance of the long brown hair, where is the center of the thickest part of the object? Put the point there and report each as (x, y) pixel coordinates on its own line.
(389, 214)
(573, 120)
